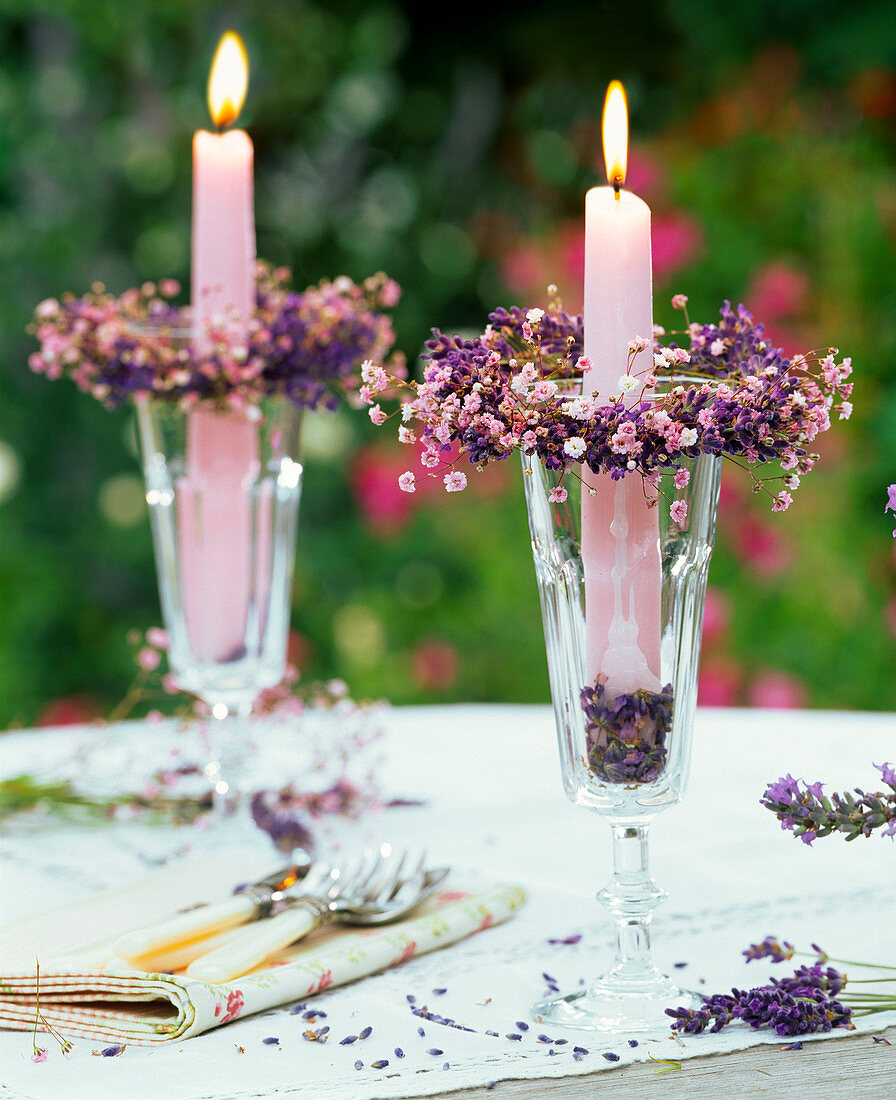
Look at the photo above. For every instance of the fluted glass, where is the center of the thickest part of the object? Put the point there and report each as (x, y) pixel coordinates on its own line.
(627, 758)
(223, 497)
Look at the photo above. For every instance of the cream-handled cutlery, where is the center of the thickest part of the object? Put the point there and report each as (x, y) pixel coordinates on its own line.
(374, 894)
(251, 904)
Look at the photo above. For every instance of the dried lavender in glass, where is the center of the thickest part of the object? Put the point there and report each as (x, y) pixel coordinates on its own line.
(627, 757)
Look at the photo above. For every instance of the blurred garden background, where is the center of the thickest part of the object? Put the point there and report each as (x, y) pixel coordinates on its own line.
(453, 153)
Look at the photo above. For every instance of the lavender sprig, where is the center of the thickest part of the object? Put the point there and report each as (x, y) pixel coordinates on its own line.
(781, 951)
(809, 813)
(811, 999)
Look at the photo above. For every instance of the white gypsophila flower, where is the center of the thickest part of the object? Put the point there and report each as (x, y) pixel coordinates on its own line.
(574, 447)
(627, 383)
(688, 437)
(534, 316)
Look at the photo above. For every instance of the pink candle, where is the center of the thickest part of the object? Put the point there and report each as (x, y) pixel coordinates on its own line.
(223, 218)
(222, 448)
(620, 533)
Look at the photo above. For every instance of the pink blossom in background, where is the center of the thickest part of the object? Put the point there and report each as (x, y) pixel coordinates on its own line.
(528, 266)
(762, 547)
(644, 175)
(778, 690)
(719, 682)
(572, 261)
(521, 266)
(676, 239)
(374, 475)
(778, 290)
(299, 650)
(732, 498)
(434, 665)
(890, 616)
(716, 615)
(782, 296)
(70, 710)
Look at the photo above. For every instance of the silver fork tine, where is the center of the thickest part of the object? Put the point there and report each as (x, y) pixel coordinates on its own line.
(385, 888)
(365, 876)
(411, 882)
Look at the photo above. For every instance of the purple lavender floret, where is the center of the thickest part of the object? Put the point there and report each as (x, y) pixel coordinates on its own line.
(809, 813)
(795, 1011)
(627, 733)
(285, 829)
(770, 948)
(808, 978)
(559, 333)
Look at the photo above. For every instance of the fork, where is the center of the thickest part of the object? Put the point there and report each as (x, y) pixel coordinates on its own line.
(375, 893)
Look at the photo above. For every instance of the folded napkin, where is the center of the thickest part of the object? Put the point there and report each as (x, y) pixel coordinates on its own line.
(129, 1006)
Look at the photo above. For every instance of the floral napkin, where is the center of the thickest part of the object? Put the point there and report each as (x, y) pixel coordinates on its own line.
(128, 1006)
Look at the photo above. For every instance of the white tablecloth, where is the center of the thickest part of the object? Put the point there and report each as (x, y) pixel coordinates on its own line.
(494, 807)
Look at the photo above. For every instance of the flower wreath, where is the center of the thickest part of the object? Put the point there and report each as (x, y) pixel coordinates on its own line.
(304, 346)
(518, 388)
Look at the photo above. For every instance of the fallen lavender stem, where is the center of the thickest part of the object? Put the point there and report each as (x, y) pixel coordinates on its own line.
(812, 999)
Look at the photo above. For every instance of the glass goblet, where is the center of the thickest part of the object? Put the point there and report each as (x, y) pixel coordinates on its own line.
(625, 755)
(223, 490)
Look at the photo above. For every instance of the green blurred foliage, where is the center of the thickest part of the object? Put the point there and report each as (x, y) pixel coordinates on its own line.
(455, 156)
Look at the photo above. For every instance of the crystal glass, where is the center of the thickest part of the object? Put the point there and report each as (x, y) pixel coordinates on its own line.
(625, 757)
(223, 491)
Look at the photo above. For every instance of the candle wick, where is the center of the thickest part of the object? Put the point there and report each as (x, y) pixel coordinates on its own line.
(617, 187)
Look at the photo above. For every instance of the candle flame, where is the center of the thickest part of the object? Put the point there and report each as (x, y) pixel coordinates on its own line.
(615, 134)
(228, 80)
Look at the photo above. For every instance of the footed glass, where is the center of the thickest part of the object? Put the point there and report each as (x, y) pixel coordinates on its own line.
(223, 491)
(626, 756)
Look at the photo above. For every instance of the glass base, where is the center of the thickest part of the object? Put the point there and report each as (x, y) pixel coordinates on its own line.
(619, 1005)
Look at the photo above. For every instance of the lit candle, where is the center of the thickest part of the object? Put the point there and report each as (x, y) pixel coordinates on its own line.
(222, 447)
(620, 533)
(223, 218)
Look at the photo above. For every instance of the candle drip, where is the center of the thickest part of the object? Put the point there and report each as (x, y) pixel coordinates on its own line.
(624, 664)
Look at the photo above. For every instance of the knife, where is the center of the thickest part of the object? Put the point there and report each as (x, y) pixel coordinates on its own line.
(254, 903)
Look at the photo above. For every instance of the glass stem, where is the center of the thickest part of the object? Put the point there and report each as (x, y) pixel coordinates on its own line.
(227, 733)
(631, 896)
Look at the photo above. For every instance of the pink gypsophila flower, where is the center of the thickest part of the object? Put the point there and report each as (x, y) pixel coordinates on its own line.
(406, 482)
(782, 502)
(455, 481)
(557, 495)
(681, 479)
(377, 415)
(679, 301)
(157, 637)
(148, 659)
(891, 498)
(679, 512)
